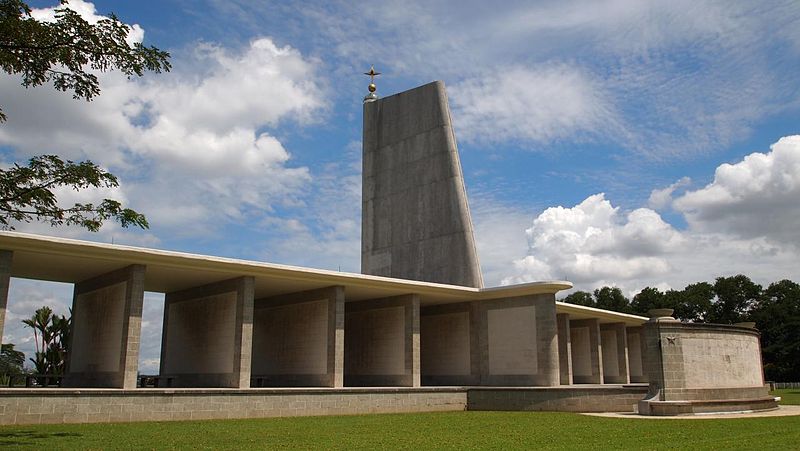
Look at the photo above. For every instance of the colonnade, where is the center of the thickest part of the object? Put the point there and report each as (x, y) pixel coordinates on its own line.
(219, 334)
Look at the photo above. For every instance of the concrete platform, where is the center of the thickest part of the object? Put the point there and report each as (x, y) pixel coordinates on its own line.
(781, 411)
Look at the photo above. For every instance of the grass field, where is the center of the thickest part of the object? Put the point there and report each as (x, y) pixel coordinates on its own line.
(457, 430)
(789, 396)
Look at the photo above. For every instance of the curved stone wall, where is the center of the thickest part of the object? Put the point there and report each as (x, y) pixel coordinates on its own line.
(696, 368)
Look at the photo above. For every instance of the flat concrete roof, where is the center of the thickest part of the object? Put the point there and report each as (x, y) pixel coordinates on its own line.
(66, 260)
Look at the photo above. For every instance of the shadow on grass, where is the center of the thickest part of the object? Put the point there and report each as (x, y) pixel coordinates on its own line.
(17, 438)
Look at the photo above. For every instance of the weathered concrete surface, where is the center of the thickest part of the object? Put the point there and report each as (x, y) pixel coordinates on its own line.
(635, 353)
(564, 349)
(517, 341)
(613, 340)
(415, 218)
(298, 339)
(587, 364)
(106, 329)
(448, 336)
(55, 406)
(586, 398)
(6, 258)
(699, 368)
(207, 338)
(382, 342)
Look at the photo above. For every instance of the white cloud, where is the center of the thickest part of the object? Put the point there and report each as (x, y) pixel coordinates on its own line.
(89, 13)
(681, 78)
(542, 104)
(662, 198)
(757, 197)
(193, 149)
(593, 241)
(743, 222)
(499, 236)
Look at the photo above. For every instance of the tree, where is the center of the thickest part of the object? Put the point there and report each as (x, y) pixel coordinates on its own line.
(693, 303)
(25, 194)
(611, 298)
(647, 299)
(67, 53)
(735, 297)
(51, 337)
(580, 298)
(11, 364)
(11, 360)
(777, 317)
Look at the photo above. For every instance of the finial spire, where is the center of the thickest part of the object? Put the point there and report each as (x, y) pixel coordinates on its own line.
(371, 97)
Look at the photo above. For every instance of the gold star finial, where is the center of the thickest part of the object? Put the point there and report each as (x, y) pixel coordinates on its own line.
(372, 88)
(372, 74)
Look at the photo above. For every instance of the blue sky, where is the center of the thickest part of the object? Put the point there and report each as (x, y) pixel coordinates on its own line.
(616, 142)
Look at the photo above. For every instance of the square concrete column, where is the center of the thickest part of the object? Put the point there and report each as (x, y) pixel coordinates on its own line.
(564, 349)
(381, 345)
(613, 340)
(207, 337)
(635, 352)
(446, 344)
(517, 339)
(106, 329)
(587, 364)
(5, 278)
(298, 339)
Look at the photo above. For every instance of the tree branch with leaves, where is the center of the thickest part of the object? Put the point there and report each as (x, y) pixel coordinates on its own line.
(26, 195)
(68, 53)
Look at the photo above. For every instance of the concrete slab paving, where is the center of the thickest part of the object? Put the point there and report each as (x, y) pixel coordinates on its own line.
(782, 411)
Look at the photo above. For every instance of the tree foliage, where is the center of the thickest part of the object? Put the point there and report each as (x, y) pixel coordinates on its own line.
(51, 337)
(775, 310)
(68, 51)
(26, 194)
(11, 360)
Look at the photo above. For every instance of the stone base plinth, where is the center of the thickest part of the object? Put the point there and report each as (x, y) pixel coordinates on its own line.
(709, 401)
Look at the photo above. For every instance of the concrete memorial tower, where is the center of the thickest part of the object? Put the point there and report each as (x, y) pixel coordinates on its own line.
(415, 218)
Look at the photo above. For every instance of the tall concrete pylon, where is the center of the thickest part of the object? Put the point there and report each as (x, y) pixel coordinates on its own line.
(415, 217)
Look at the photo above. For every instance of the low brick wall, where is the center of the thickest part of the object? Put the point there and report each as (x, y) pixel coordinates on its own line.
(563, 399)
(41, 406)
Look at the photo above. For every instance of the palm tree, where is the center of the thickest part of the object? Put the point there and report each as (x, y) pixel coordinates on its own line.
(51, 337)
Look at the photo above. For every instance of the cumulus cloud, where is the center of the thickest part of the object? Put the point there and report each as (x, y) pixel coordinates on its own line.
(594, 241)
(202, 134)
(662, 198)
(757, 197)
(523, 104)
(743, 222)
(89, 13)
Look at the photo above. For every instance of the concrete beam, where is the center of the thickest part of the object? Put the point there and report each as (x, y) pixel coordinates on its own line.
(207, 337)
(298, 339)
(6, 258)
(517, 339)
(447, 340)
(106, 330)
(587, 363)
(382, 344)
(564, 349)
(614, 344)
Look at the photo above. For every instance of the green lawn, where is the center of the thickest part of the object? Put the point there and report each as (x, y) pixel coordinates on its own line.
(789, 396)
(457, 430)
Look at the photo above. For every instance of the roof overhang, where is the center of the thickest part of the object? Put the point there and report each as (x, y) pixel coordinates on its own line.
(66, 260)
